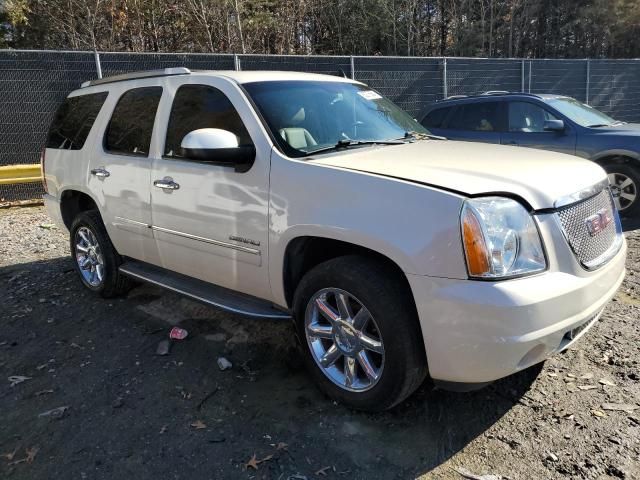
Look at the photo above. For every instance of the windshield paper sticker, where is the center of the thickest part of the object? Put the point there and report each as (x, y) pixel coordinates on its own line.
(369, 95)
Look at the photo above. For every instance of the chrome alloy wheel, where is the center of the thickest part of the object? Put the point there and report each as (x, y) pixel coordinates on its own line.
(89, 256)
(623, 189)
(344, 339)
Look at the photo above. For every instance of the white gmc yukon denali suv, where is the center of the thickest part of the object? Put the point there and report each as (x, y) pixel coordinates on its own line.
(399, 255)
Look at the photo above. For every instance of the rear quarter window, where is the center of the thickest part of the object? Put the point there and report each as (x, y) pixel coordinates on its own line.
(73, 121)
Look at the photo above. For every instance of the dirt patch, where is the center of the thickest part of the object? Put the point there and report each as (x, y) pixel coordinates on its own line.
(95, 401)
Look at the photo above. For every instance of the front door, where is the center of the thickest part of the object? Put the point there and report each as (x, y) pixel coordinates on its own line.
(209, 220)
(526, 129)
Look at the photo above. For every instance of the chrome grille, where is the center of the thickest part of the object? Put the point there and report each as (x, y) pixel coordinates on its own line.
(591, 250)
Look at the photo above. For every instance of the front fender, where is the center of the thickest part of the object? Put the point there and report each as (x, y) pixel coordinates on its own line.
(415, 226)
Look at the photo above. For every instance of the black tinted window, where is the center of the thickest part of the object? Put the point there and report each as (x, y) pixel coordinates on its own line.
(200, 106)
(129, 130)
(73, 121)
(435, 118)
(479, 117)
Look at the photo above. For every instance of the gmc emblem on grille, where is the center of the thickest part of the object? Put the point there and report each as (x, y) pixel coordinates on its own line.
(598, 222)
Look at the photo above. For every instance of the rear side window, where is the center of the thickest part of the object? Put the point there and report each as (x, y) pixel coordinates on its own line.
(477, 117)
(131, 125)
(73, 121)
(201, 106)
(435, 118)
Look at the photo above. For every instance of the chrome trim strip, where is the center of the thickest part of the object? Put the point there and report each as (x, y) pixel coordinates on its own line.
(277, 315)
(219, 243)
(578, 196)
(134, 222)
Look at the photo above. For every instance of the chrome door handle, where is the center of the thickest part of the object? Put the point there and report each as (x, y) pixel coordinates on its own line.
(100, 172)
(166, 184)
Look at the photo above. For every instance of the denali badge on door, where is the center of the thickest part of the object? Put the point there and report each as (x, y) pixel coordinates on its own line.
(598, 222)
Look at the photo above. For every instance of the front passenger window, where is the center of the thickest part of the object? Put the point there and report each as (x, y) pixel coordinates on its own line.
(525, 117)
(131, 125)
(201, 106)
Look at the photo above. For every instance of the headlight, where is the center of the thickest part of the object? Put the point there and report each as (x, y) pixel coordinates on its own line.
(500, 239)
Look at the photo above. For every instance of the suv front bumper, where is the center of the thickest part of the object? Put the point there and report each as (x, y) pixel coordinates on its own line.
(477, 332)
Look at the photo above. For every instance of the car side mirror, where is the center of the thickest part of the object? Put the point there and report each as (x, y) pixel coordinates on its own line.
(554, 126)
(214, 145)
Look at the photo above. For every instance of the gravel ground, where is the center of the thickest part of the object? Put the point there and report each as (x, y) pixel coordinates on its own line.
(98, 403)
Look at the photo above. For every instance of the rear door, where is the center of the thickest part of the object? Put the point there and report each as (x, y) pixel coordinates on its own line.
(526, 128)
(120, 170)
(481, 121)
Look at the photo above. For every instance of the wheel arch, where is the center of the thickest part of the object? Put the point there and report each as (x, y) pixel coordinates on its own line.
(617, 157)
(304, 252)
(72, 202)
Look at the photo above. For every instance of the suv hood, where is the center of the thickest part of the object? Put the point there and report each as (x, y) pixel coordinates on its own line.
(539, 177)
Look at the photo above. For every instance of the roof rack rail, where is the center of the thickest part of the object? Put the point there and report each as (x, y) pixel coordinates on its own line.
(496, 92)
(453, 97)
(165, 72)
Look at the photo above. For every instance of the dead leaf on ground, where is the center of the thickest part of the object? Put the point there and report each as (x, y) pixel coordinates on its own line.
(163, 429)
(254, 462)
(31, 455)
(471, 476)
(16, 379)
(199, 425)
(42, 392)
(587, 387)
(281, 446)
(620, 407)
(323, 471)
(598, 413)
(9, 456)
(55, 412)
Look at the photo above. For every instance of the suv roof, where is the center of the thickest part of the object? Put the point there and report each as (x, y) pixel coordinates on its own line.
(238, 76)
(500, 93)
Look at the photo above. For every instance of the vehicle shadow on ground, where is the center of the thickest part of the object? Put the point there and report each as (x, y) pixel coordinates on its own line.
(629, 224)
(134, 414)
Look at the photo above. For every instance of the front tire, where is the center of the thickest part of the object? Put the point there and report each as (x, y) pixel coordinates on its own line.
(94, 256)
(359, 330)
(625, 187)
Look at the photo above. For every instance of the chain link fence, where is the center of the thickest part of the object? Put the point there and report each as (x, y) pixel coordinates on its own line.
(34, 83)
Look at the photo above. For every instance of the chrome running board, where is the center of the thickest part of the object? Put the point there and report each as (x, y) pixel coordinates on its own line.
(204, 292)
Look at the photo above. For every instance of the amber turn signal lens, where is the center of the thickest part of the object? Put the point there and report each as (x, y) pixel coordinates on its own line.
(474, 245)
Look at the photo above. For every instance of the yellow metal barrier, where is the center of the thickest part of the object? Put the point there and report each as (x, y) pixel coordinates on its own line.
(14, 174)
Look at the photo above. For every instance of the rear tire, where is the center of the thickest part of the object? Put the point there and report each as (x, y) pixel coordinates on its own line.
(625, 187)
(94, 256)
(358, 327)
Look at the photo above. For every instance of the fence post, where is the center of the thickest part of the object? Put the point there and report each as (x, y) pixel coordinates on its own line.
(236, 62)
(445, 89)
(522, 76)
(588, 81)
(353, 68)
(96, 57)
(530, 75)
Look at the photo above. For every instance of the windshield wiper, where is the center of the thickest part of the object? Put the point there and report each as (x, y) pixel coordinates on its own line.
(346, 143)
(411, 135)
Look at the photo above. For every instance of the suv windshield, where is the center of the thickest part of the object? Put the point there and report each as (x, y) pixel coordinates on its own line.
(580, 113)
(309, 116)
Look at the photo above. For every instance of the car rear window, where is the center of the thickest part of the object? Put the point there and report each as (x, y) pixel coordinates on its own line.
(435, 118)
(131, 125)
(477, 117)
(73, 121)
